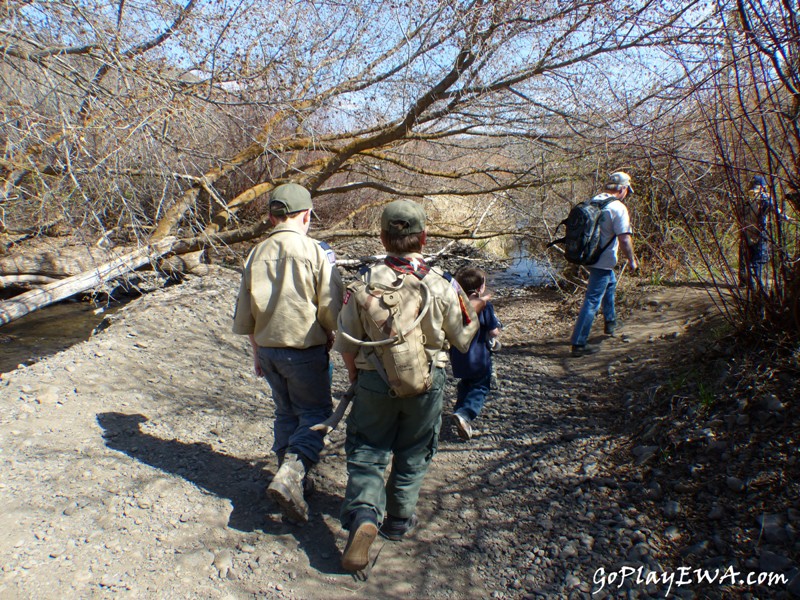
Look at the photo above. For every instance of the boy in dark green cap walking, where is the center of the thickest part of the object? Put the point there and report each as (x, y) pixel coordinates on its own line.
(384, 428)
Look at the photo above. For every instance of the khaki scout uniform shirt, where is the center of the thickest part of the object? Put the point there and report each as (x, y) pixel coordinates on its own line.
(450, 320)
(290, 294)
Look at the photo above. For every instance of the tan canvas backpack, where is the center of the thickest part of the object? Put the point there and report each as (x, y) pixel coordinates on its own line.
(391, 316)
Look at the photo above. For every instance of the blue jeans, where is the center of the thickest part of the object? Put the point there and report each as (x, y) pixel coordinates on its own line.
(600, 290)
(301, 389)
(758, 256)
(471, 394)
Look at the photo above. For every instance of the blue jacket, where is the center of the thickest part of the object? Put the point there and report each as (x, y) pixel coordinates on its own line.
(477, 361)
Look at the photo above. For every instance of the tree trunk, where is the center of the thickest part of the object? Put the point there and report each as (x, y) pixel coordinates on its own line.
(26, 303)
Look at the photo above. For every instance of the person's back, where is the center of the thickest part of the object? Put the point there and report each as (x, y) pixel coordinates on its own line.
(477, 360)
(289, 295)
(473, 368)
(382, 427)
(614, 220)
(288, 304)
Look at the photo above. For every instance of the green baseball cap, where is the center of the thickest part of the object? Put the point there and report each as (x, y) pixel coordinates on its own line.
(289, 198)
(403, 217)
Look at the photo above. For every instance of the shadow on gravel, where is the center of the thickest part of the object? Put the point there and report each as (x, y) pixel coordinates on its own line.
(241, 481)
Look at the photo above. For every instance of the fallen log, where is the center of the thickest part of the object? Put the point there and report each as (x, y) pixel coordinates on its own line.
(58, 262)
(12, 280)
(26, 303)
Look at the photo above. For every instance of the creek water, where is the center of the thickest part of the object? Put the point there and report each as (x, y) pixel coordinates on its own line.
(59, 326)
(522, 271)
(48, 331)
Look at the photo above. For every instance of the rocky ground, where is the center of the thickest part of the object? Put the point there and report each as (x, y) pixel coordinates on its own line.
(135, 465)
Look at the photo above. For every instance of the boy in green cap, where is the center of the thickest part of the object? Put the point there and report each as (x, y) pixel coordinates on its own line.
(382, 427)
(288, 303)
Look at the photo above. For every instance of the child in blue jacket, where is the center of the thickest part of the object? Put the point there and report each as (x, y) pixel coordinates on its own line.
(474, 369)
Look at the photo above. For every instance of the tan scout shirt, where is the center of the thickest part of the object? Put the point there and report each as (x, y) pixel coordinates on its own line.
(451, 319)
(291, 294)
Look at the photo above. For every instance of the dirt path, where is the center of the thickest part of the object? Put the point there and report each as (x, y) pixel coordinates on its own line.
(135, 465)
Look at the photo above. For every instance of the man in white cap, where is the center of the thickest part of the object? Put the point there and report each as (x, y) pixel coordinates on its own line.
(615, 234)
(288, 304)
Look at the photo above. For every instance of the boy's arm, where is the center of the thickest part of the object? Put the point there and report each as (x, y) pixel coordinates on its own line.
(460, 318)
(479, 302)
(349, 359)
(493, 322)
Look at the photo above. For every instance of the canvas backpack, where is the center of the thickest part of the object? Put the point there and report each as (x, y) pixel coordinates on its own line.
(391, 315)
(582, 232)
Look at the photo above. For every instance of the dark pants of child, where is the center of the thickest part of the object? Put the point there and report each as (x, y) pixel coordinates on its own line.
(471, 395)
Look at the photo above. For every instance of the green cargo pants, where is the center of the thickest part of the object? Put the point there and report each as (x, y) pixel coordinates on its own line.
(380, 427)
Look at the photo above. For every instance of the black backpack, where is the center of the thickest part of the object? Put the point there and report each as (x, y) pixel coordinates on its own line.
(582, 236)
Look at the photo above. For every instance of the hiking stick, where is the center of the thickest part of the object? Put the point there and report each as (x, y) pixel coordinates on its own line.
(622, 272)
(331, 422)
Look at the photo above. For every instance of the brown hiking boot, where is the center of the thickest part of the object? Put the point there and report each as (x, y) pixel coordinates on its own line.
(363, 531)
(287, 489)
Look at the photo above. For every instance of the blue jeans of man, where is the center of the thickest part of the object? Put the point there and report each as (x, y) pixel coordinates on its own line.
(471, 394)
(380, 429)
(600, 291)
(301, 389)
(758, 256)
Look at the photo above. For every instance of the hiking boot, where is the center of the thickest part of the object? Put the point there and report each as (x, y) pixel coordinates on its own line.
(395, 528)
(363, 531)
(309, 487)
(584, 350)
(611, 326)
(287, 489)
(463, 426)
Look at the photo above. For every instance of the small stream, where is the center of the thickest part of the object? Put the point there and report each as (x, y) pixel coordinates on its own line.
(522, 272)
(59, 326)
(48, 331)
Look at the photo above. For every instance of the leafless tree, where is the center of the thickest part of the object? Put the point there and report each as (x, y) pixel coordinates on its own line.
(738, 118)
(155, 119)
(155, 112)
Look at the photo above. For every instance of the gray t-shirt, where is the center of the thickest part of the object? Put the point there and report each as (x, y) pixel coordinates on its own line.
(615, 221)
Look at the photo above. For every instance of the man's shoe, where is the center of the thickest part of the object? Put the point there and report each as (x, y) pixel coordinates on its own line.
(363, 531)
(611, 326)
(287, 489)
(584, 350)
(463, 426)
(394, 528)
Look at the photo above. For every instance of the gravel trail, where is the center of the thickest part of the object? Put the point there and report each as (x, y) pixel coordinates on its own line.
(135, 465)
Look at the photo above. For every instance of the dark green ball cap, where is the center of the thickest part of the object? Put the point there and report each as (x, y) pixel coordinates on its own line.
(403, 217)
(289, 198)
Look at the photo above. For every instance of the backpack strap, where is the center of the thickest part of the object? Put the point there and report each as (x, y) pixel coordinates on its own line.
(602, 204)
(400, 336)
